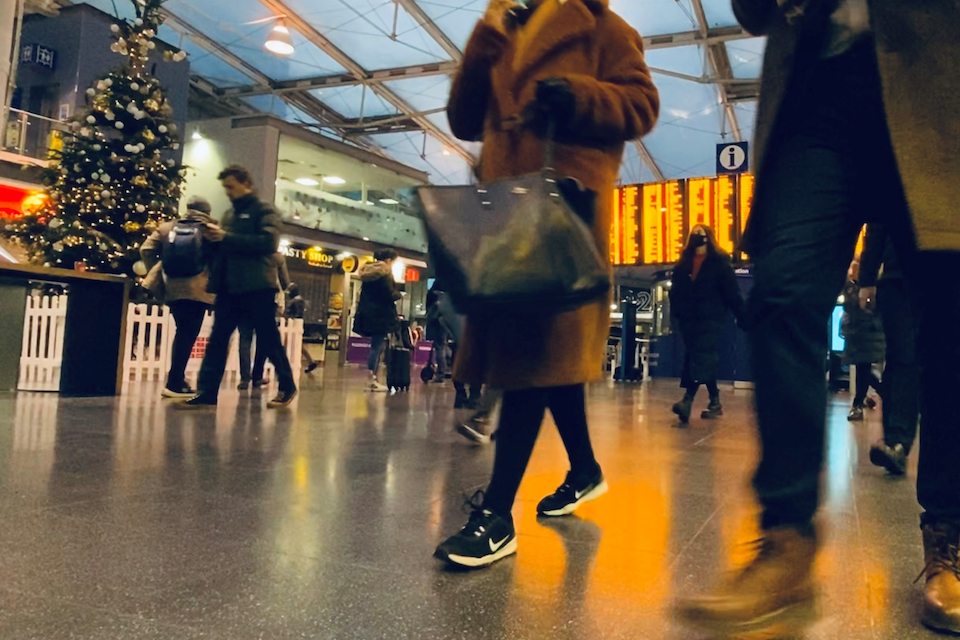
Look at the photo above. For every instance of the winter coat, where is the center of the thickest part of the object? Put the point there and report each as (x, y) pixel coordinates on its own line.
(862, 330)
(377, 309)
(701, 307)
(244, 261)
(601, 57)
(157, 282)
(918, 50)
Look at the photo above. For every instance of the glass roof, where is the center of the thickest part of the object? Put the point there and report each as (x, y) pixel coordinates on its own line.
(381, 34)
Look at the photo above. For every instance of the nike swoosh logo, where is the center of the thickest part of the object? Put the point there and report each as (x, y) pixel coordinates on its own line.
(580, 494)
(496, 547)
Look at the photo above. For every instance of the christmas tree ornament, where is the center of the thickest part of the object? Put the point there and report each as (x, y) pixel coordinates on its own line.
(141, 208)
(140, 268)
(134, 86)
(91, 92)
(162, 128)
(119, 125)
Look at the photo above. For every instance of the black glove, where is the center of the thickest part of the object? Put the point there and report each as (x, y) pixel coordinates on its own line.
(554, 103)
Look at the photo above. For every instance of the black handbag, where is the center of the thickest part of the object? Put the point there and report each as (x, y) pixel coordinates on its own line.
(516, 245)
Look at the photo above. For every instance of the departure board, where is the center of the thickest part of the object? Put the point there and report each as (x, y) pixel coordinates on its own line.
(624, 238)
(651, 222)
(663, 225)
(747, 182)
(713, 203)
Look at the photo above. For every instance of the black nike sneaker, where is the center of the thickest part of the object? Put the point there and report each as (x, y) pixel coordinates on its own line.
(283, 399)
(199, 401)
(485, 539)
(571, 494)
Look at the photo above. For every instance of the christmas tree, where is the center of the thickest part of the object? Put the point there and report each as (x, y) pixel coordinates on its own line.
(114, 180)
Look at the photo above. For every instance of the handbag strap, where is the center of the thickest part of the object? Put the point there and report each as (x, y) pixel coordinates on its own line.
(550, 147)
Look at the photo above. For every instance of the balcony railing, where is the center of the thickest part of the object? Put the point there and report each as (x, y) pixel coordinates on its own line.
(31, 135)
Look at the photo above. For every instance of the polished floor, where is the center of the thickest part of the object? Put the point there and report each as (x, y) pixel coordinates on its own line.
(124, 518)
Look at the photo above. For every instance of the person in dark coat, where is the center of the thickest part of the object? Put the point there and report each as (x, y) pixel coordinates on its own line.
(296, 309)
(703, 294)
(243, 275)
(883, 286)
(377, 310)
(251, 372)
(864, 344)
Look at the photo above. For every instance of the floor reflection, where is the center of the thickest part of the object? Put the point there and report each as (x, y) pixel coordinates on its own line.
(320, 521)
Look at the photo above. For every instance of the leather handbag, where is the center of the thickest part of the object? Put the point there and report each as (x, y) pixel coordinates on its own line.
(515, 245)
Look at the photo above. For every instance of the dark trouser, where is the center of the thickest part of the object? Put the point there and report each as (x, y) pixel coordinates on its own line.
(712, 389)
(188, 314)
(901, 376)
(520, 418)
(376, 350)
(258, 310)
(866, 378)
(246, 346)
(830, 168)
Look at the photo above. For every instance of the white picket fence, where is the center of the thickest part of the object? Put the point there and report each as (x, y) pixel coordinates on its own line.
(150, 332)
(42, 350)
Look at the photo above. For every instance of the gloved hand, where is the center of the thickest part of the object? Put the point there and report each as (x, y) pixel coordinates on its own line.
(554, 102)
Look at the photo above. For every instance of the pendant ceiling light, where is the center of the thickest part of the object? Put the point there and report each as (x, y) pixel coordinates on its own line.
(279, 42)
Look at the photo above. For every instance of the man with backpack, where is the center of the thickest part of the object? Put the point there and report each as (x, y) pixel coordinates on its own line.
(176, 256)
(243, 274)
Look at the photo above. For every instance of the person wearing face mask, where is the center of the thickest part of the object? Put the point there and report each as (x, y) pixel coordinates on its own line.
(704, 291)
(575, 65)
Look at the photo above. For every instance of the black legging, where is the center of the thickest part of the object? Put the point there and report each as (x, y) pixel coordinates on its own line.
(521, 415)
(865, 379)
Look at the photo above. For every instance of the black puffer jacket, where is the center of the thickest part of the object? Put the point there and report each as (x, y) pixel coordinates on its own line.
(377, 309)
(862, 330)
(244, 260)
(701, 308)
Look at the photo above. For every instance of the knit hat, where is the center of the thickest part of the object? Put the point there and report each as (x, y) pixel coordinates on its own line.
(200, 205)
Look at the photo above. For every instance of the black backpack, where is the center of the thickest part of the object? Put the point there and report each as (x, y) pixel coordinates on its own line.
(183, 250)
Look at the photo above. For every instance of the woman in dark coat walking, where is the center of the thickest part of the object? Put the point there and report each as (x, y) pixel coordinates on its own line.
(377, 310)
(704, 291)
(865, 343)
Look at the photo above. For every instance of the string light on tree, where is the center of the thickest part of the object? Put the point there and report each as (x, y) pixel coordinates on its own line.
(114, 180)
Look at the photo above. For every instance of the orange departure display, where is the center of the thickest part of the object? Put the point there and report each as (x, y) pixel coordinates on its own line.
(624, 239)
(663, 213)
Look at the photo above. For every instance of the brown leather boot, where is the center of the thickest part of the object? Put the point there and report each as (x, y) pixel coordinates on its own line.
(941, 604)
(776, 589)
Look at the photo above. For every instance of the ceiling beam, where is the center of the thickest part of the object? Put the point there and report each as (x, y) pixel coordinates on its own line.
(720, 63)
(647, 159)
(420, 16)
(716, 35)
(319, 40)
(342, 80)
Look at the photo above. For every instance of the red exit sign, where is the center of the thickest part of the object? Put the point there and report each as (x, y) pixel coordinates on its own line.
(411, 275)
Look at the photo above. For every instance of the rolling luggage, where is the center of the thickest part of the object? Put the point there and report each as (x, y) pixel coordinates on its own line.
(399, 360)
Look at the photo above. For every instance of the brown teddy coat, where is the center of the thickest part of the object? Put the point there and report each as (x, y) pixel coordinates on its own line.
(601, 56)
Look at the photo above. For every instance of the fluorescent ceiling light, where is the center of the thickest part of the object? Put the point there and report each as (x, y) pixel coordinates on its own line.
(279, 42)
(388, 201)
(334, 180)
(197, 135)
(308, 182)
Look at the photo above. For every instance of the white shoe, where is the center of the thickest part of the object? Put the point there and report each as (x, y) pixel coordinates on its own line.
(377, 387)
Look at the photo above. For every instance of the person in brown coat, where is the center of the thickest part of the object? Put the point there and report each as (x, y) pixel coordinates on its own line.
(858, 121)
(578, 64)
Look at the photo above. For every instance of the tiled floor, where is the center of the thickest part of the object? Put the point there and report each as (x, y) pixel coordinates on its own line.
(124, 518)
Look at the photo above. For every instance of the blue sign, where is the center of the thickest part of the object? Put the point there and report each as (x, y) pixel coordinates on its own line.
(733, 157)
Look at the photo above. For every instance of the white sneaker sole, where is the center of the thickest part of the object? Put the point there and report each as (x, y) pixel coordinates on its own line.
(176, 395)
(473, 563)
(472, 434)
(598, 491)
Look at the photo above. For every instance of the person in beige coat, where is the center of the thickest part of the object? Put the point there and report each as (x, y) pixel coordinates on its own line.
(187, 297)
(858, 121)
(578, 64)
